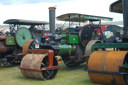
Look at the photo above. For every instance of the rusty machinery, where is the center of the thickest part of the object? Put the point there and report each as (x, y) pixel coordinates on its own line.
(107, 66)
(73, 46)
(12, 41)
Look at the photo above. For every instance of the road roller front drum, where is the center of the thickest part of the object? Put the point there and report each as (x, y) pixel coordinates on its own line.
(108, 67)
(39, 66)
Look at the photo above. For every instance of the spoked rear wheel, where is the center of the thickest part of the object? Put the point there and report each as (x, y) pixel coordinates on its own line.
(49, 74)
(69, 62)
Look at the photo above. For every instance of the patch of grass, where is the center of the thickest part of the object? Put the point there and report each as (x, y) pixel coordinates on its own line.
(65, 76)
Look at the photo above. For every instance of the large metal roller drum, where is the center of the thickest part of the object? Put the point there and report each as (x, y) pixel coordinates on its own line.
(32, 64)
(22, 36)
(108, 67)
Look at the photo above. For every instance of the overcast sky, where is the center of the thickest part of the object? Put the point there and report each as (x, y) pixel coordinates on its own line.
(38, 9)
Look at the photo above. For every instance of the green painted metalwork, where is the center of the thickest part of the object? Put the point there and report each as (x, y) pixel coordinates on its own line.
(109, 45)
(10, 41)
(76, 17)
(70, 30)
(22, 36)
(64, 36)
(125, 64)
(66, 49)
(96, 18)
(73, 39)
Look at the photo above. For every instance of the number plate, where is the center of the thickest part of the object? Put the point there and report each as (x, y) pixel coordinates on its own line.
(36, 45)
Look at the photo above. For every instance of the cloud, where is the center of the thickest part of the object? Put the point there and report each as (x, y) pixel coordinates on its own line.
(39, 11)
(14, 2)
(90, 7)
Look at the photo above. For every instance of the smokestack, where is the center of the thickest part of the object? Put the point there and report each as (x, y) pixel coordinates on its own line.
(52, 20)
(125, 17)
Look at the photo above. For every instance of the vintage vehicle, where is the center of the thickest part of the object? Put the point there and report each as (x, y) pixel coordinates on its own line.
(110, 67)
(74, 47)
(11, 43)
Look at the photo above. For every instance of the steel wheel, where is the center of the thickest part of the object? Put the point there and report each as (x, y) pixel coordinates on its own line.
(37, 61)
(49, 74)
(70, 62)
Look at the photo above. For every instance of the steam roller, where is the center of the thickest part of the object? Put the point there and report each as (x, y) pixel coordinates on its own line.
(110, 67)
(38, 63)
(11, 44)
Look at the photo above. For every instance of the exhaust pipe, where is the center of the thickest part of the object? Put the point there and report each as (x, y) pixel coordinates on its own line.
(52, 20)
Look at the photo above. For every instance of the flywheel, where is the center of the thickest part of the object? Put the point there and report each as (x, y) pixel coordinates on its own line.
(22, 36)
(85, 35)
